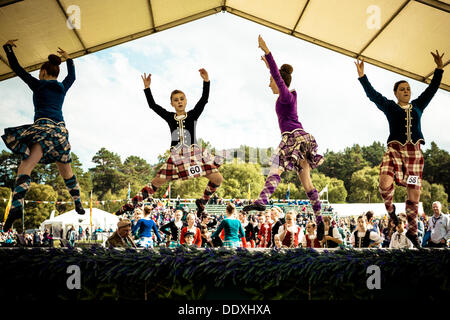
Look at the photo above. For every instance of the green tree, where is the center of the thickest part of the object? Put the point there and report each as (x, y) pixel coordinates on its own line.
(374, 153)
(107, 175)
(364, 186)
(433, 192)
(237, 178)
(342, 165)
(9, 163)
(437, 166)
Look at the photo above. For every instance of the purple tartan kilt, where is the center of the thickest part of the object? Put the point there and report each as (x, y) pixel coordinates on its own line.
(53, 138)
(296, 146)
(189, 162)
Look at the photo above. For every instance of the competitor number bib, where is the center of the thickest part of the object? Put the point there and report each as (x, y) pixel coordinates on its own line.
(194, 170)
(414, 180)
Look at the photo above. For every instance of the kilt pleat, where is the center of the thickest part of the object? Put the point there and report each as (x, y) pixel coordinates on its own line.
(53, 138)
(189, 162)
(294, 147)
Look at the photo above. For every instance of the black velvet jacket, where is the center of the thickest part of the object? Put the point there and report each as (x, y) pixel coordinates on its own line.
(182, 130)
(404, 123)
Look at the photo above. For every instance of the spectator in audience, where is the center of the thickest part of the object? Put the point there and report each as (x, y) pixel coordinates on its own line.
(233, 229)
(290, 233)
(121, 238)
(188, 240)
(265, 231)
(439, 227)
(332, 237)
(278, 243)
(172, 230)
(192, 228)
(362, 237)
(276, 223)
(144, 228)
(310, 239)
(387, 232)
(399, 239)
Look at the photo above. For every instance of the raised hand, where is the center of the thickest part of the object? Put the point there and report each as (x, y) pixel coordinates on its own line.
(63, 53)
(263, 58)
(147, 80)
(360, 67)
(204, 75)
(262, 45)
(11, 42)
(438, 59)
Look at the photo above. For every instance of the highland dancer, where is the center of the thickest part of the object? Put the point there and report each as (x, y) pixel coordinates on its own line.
(403, 160)
(298, 149)
(187, 160)
(47, 139)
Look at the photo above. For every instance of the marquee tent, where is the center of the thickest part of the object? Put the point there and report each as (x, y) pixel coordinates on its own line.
(397, 35)
(64, 221)
(356, 209)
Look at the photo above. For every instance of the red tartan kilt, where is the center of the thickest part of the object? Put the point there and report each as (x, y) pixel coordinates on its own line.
(400, 162)
(187, 163)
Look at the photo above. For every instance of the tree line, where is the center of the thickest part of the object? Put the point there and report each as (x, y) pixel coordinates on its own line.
(351, 176)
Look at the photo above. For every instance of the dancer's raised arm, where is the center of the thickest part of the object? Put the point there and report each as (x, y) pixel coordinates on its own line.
(70, 78)
(424, 99)
(31, 81)
(374, 96)
(163, 113)
(283, 90)
(200, 106)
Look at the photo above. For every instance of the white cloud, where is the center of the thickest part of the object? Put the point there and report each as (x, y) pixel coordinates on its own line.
(106, 106)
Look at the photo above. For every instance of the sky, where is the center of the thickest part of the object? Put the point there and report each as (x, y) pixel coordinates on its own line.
(106, 106)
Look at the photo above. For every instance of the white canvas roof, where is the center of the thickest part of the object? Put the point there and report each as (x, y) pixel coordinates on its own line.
(100, 218)
(393, 34)
(356, 209)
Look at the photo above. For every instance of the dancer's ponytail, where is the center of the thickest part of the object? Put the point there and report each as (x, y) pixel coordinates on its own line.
(52, 65)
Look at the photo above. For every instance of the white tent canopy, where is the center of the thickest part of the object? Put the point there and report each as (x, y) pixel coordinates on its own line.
(356, 209)
(397, 35)
(100, 218)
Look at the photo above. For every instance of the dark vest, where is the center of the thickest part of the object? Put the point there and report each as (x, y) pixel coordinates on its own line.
(330, 243)
(365, 242)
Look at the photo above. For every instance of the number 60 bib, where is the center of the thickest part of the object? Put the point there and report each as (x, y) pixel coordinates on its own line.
(194, 170)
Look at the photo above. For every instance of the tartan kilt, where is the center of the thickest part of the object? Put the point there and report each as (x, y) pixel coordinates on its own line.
(400, 162)
(232, 244)
(294, 147)
(189, 162)
(53, 138)
(174, 244)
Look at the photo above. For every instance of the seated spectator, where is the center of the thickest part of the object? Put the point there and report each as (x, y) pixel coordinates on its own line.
(121, 238)
(399, 239)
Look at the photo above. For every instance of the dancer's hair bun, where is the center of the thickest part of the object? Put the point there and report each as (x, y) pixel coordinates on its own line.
(54, 59)
(287, 68)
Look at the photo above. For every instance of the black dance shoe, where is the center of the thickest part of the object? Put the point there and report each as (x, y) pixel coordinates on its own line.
(79, 208)
(14, 214)
(414, 239)
(254, 206)
(393, 216)
(200, 205)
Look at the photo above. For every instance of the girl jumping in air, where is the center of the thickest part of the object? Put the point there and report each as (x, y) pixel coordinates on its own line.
(298, 149)
(47, 139)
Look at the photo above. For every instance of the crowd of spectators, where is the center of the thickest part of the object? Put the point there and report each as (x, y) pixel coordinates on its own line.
(294, 228)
